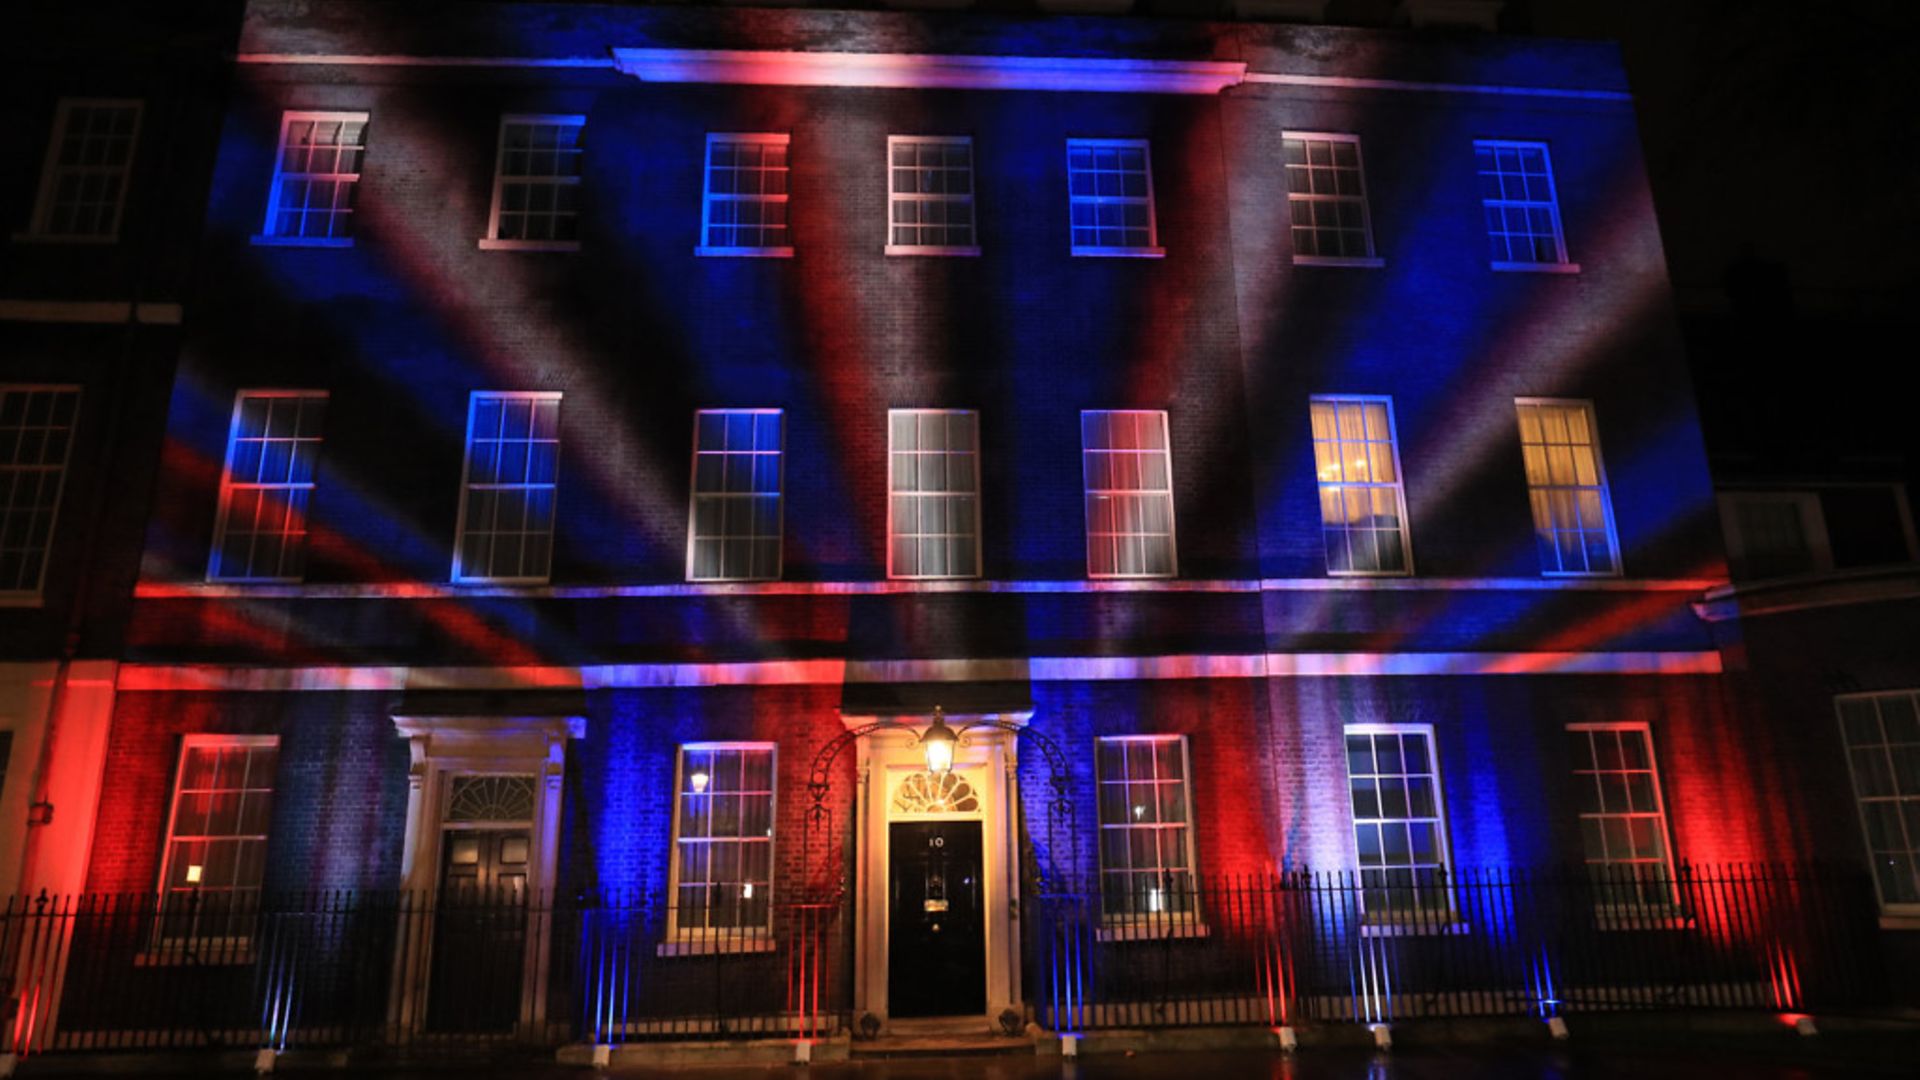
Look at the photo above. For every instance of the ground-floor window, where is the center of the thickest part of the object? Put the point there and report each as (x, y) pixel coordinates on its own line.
(1146, 831)
(1623, 821)
(1399, 825)
(723, 838)
(215, 857)
(1882, 734)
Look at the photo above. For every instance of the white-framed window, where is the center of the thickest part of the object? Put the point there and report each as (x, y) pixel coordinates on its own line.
(1399, 821)
(508, 486)
(1110, 198)
(316, 174)
(1327, 200)
(1127, 465)
(1146, 826)
(1623, 817)
(744, 208)
(1774, 534)
(36, 441)
(1881, 732)
(215, 858)
(933, 501)
(536, 185)
(1567, 485)
(273, 447)
(723, 818)
(1521, 207)
(83, 184)
(734, 529)
(1363, 505)
(930, 195)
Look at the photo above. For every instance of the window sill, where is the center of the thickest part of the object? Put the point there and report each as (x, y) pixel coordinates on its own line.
(465, 580)
(1439, 926)
(1900, 920)
(22, 600)
(1580, 574)
(234, 953)
(1647, 918)
(490, 244)
(1152, 931)
(56, 238)
(1367, 262)
(1119, 252)
(1130, 577)
(1369, 573)
(1537, 268)
(911, 249)
(751, 942)
(262, 240)
(745, 252)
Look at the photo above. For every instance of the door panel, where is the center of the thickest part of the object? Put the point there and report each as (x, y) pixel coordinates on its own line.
(937, 952)
(479, 931)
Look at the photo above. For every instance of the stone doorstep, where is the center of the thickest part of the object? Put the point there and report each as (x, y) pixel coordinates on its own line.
(706, 1052)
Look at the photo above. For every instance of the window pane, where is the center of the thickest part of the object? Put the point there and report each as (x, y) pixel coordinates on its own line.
(1881, 733)
(735, 524)
(272, 453)
(1129, 494)
(723, 838)
(1397, 828)
(36, 427)
(215, 852)
(506, 524)
(1143, 809)
(1521, 211)
(1361, 499)
(1623, 827)
(1572, 514)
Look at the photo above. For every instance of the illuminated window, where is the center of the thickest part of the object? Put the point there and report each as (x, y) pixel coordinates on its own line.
(1882, 734)
(1146, 833)
(1110, 197)
(506, 499)
(930, 196)
(723, 838)
(735, 529)
(216, 854)
(1129, 479)
(744, 211)
(83, 185)
(1399, 828)
(1623, 822)
(36, 439)
(536, 184)
(1522, 210)
(933, 512)
(274, 444)
(1327, 200)
(1363, 510)
(315, 177)
(1572, 514)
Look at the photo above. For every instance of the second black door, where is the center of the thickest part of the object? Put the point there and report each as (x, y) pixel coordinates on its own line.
(937, 954)
(479, 931)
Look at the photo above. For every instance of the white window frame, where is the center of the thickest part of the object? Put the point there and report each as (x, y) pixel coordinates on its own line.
(1599, 472)
(1561, 263)
(699, 940)
(1897, 908)
(460, 574)
(32, 596)
(1088, 491)
(228, 486)
(1174, 919)
(493, 241)
(707, 195)
(1439, 918)
(267, 235)
(41, 231)
(968, 200)
(1813, 523)
(162, 945)
(694, 496)
(1152, 250)
(1399, 486)
(1364, 200)
(973, 419)
(1612, 866)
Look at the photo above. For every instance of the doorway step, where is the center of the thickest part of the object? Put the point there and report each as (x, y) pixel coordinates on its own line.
(941, 1036)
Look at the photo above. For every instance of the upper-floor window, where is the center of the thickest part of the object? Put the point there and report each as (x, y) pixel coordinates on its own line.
(315, 176)
(1399, 825)
(933, 502)
(723, 840)
(1781, 532)
(215, 858)
(1623, 821)
(1327, 200)
(272, 449)
(1125, 461)
(744, 210)
(930, 195)
(1146, 826)
(536, 185)
(83, 185)
(36, 439)
(1363, 508)
(507, 494)
(1882, 735)
(734, 534)
(1522, 209)
(1567, 483)
(1110, 197)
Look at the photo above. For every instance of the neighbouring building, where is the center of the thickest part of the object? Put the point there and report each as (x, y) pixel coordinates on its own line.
(617, 451)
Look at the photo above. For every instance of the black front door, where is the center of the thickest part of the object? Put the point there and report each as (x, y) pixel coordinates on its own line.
(479, 931)
(937, 954)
